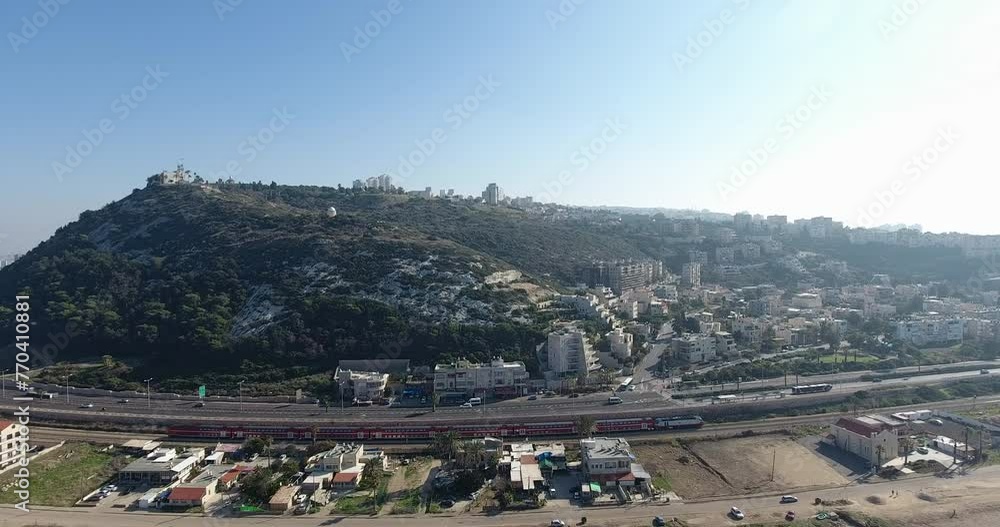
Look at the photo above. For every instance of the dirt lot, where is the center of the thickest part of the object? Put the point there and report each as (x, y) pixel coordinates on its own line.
(745, 463)
(734, 466)
(686, 476)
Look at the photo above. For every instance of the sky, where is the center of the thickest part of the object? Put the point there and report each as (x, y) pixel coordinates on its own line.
(870, 111)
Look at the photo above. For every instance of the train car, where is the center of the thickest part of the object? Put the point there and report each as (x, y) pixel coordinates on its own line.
(680, 422)
(811, 388)
(636, 424)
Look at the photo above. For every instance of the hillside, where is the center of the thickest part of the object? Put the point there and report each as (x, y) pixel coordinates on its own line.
(183, 283)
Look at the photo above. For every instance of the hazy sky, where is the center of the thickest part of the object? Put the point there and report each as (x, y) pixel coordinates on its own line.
(819, 105)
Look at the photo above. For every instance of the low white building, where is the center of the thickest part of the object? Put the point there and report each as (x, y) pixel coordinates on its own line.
(620, 342)
(695, 348)
(866, 437)
(496, 378)
(362, 385)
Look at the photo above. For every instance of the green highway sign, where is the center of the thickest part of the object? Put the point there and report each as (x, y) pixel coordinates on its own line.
(201, 391)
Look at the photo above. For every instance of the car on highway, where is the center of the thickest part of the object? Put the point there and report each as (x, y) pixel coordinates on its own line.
(736, 513)
(631, 388)
(466, 405)
(984, 371)
(789, 499)
(122, 401)
(199, 405)
(877, 379)
(574, 395)
(935, 421)
(615, 400)
(87, 405)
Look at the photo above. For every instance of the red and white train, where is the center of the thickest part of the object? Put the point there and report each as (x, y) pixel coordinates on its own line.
(425, 432)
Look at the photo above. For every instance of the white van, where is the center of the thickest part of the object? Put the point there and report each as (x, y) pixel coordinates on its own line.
(614, 399)
(475, 401)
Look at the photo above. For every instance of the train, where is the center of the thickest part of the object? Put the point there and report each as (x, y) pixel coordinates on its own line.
(811, 388)
(390, 432)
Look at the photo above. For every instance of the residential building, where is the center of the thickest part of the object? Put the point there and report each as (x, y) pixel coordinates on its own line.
(569, 352)
(624, 275)
(620, 342)
(691, 274)
(361, 385)
(698, 257)
(493, 195)
(725, 255)
(930, 330)
(10, 442)
(807, 301)
(871, 439)
(742, 221)
(342, 457)
(610, 462)
(725, 344)
(495, 378)
(203, 489)
(695, 348)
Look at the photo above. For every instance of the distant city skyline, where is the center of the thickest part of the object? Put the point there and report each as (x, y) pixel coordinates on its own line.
(868, 111)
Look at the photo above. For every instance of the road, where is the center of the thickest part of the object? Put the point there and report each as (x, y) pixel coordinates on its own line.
(648, 398)
(980, 488)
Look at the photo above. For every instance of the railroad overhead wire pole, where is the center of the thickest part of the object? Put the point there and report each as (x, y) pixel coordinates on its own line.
(148, 405)
(241, 394)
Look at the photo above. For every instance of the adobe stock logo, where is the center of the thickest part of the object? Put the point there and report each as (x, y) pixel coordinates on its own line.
(915, 168)
(30, 27)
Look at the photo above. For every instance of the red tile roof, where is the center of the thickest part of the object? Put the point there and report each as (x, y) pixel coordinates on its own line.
(230, 476)
(345, 477)
(859, 427)
(187, 493)
(5, 424)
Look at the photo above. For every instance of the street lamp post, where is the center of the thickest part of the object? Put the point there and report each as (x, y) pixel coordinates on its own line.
(67, 388)
(240, 384)
(3, 384)
(147, 392)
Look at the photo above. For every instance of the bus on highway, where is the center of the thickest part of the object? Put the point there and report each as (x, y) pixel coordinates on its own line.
(625, 384)
(811, 388)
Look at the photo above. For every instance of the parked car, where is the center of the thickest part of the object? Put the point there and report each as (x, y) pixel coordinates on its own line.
(301, 509)
(532, 397)
(659, 522)
(466, 405)
(574, 395)
(789, 499)
(736, 513)
(447, 504)
(923, 450)
(935, 421)
(557, 523)
(631, 388)
(790, 516)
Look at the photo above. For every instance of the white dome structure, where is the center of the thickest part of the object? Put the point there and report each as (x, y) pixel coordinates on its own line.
(331, 212)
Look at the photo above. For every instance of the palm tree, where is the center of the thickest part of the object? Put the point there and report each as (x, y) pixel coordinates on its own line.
(445, 444)
(586, 425)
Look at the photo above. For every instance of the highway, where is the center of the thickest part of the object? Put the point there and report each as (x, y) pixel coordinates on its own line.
(648, 399)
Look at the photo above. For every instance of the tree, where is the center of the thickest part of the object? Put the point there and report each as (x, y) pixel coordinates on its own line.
(259, 485)
(445, 444)
(586, 425)
(906, 445)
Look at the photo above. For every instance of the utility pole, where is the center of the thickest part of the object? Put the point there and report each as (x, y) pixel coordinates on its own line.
(148, 404)
(240, 384)
(3, 384)
(774, 460)
(67, 387)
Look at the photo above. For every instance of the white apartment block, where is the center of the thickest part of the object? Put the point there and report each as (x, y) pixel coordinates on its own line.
(725, 344)
(10, 435)
(497, 378)
(924, 331)
(362, 385)
(807, 301)
(695, 349)
(602, 456)
(587, 306)
(691, 274)
(621, 343)
(749, 329)
(569, 352)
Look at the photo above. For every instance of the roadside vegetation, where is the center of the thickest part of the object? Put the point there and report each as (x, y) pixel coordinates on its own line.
(66, 475)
